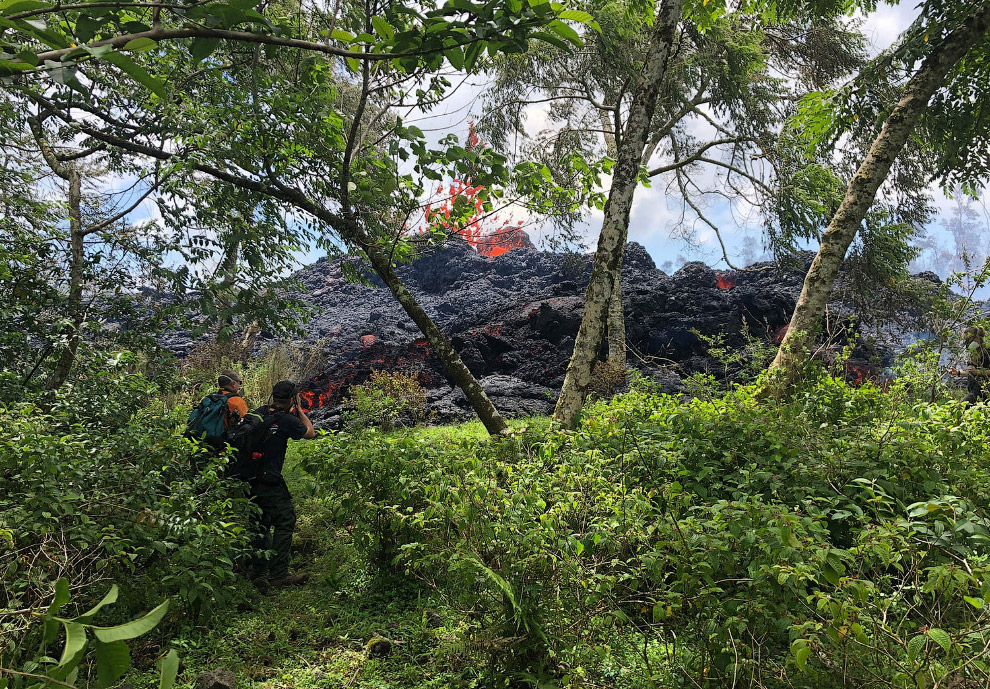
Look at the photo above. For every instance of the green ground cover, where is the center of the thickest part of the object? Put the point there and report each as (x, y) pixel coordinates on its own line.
(836, 537)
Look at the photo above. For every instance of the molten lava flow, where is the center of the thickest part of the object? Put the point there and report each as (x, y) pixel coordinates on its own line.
(724, 281)
(368, 340)
(470, 222)
(502, 241)
(319, 398)
(857, 375)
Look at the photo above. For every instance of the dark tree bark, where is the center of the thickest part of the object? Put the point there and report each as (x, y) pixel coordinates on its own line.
(806, 320)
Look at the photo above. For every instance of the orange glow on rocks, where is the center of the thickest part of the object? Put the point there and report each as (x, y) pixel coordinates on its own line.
(724, 281)
(857, 375)
(354, 367)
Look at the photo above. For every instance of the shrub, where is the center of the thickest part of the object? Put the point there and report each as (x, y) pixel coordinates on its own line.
(838, 536)
(386, 401)
(99, 488)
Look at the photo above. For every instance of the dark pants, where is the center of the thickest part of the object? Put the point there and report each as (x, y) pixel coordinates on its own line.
(975, 390)
(275, 526)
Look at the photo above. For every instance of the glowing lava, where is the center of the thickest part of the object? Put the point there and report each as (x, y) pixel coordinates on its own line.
(857, 375)
(723, 281)
(368, 340)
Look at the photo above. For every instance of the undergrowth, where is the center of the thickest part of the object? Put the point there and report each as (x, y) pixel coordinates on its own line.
(835, 538)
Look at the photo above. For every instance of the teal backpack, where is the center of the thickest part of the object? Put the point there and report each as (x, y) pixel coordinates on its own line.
(207, 420)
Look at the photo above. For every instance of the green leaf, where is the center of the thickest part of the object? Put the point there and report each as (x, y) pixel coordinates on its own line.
(98, 51)
(801, 657)
(112, 661)
(915, 646)
(977, 603)
(108, 599)
(61, 596)
(342, 36)
(455, 56)
(202, 48)
(537, 3)
(170, 668)
(86, 28)
(75, 644)
(354, 65)
(382, 27)
(575, 16)
(141, 45)
(28, 57)
(940, 637)
(132, 629)
(24, 6)
(551, 39)
(565, 32)
(136, 72)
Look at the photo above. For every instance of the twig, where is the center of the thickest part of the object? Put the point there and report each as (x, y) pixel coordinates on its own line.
(34, 676)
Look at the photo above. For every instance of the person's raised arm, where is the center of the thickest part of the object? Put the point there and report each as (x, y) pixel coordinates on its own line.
(310, 431)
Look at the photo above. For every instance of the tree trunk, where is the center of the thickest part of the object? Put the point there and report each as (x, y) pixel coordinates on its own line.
(439, 343)
(806, 320)
(617, 324)
(616, 313)
(615, 227)
(74, 304)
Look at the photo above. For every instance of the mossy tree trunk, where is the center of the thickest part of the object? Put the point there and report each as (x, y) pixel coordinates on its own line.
(607, 264)
(861, 192)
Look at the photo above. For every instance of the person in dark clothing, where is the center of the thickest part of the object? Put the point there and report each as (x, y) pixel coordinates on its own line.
(977, 371)
(268, 488)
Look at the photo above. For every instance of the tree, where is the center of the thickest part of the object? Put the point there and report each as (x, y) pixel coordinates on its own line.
(352, 185)
(949, 36)
(719, 76)
(607, 262)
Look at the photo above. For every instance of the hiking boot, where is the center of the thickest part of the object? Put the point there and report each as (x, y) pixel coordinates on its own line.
(289, 580)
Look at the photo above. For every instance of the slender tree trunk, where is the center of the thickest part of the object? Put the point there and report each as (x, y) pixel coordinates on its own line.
(616, 313)
(439, 343)
(617, 324)
(77, 256)
(74, 304)
(615, 227)
(806, 320)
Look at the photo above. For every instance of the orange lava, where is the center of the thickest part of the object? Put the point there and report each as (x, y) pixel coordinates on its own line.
(368, 340)
(485, 233)
(723, 281)
(857, 375)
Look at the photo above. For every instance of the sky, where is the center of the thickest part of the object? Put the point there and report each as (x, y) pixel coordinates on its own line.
(656, 222)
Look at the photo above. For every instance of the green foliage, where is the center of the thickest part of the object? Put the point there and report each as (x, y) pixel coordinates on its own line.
(99, 484)
(844, 530)
(386, 401)
(952, 138)
(111, 652)
(367, 474)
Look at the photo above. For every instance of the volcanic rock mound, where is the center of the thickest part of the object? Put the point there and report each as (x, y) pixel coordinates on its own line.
(513, 318)
(512, 314)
